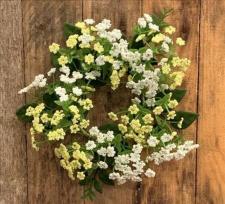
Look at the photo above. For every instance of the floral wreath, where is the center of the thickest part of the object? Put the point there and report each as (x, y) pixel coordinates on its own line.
(146, 132)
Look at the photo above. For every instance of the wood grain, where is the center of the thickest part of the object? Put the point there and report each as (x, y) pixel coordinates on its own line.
(43, 24)
(211, 136)
(175, 181)
(13, 166)
(123, 14)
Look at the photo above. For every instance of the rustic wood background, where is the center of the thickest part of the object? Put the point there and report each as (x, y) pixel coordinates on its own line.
(27, 27)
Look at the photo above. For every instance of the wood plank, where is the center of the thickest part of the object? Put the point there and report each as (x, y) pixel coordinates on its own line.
(123, 14)
(175, 181)
(43, 24)
(211, 162)
(13, 165)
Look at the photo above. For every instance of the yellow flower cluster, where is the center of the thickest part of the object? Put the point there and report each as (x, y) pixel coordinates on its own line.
(158, 38)
(86, 103)
(113, 116)
(180, 41)
(133, 109)
(56, 134)
(177, 79)
(98, 47)
(63, 60)
(89, 59)
(72, 41)
(170, 30)
(135, 129)
(57, 117)
(74, 162)
(54, 48)
(181, 62)
(35, 112)
(158, 110)
(115, 79)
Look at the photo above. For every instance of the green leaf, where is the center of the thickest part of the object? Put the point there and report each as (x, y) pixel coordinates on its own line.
(104, 177)
(178, 94)
(163, 100)
(189, 118)
(70, 30)
(162, 123)
(117, 142)
(64, 104)
(54, 58)
(49, 100)
(21, 113)
(64, 123)
(97, 186)
(109, 126)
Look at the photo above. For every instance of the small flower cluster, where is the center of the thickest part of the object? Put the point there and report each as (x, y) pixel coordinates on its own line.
(144, 133)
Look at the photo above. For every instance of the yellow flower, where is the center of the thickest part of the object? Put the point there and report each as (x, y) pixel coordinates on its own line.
(172, 104)
(89, 58)
(136, 125)
(75, 146)
(171, 115)
(80, 175)
(166, 69)
(109, 59)
(170, 29)
(45, 118)
(158, 110)
(74, 128)
(73, 109)
(112, 116)
(140, 37)
(148, 118)
(57, 117)
(180, 41)
(115, 79)
(86, 103)
(178, 78)
(87, 164)
(63, 60)
(56, 134)
(84, 124)
(133, 109)
(125, 119)
(85, 30)
(54, 48)
(158, 38)
(122, 128)
(93, 28)
(62, 152)
(84, 45)
(72, 41)
(80, 25)
(98, 47)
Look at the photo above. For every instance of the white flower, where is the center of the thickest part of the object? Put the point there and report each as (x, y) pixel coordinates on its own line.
(77, 75)
(94, 131)
(165, 47)
(137, 148)
(90, 145)
(152, 141)
(102, 151)
(89, 21)
(51, 71)
(65, 70)
(148, 18)
(100, 60)
(39, 81)
(153, 27)
(109, 136)
(147, 55)
(110, 151)
(114, 176)
(102, 165)
(92, 75)
(142, 23)
(149, 173)
(104, 25)
(166, 137)
(77, 91)
(61, 92)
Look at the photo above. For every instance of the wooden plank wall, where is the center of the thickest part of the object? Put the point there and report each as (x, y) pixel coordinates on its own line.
(27, 27)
